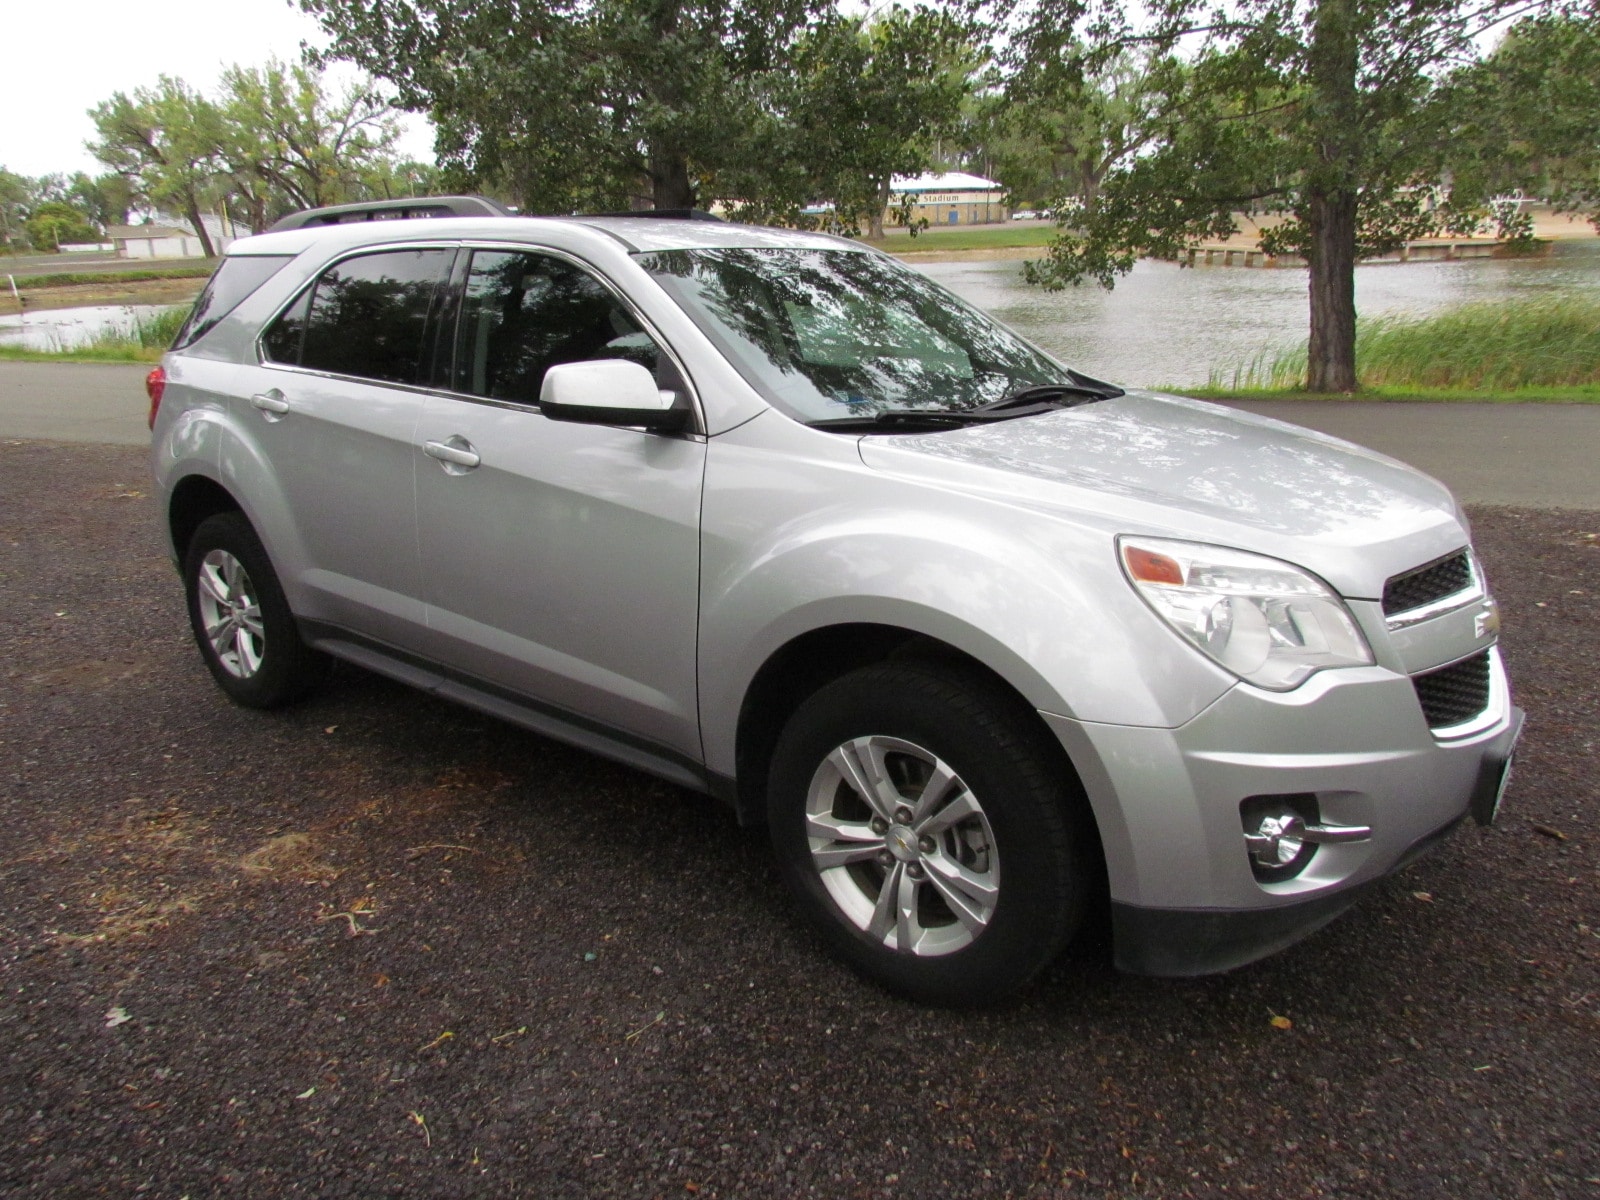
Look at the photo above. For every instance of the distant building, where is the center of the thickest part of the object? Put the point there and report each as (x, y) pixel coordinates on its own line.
(165, 238)
(154, 241)
(953, 198)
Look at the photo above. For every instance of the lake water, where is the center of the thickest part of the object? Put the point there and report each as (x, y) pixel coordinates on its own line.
(65, 328)
(1165, 324)
(1161, 324)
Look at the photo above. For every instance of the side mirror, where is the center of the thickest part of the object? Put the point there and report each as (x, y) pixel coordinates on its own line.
(610, 391)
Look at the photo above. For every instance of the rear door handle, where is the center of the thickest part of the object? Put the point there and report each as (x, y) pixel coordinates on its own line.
(271, 403)
(455, 454)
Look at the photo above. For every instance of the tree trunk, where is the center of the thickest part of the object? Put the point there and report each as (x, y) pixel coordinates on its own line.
(192, 208)
(670, 185)
(1331, 354)
(1331, 191)
(875, 217)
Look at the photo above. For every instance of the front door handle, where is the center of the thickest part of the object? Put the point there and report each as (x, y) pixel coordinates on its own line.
(455, 454)
(272, 404)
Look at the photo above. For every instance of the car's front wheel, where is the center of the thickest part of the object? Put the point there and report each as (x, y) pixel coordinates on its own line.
(933, 836)
(241, 621)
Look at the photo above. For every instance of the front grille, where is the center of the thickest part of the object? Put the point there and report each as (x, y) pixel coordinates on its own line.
(1426, 584)
(1455, 693)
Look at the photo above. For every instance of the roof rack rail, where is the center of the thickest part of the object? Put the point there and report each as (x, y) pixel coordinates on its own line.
(665, 214)
(394, 210)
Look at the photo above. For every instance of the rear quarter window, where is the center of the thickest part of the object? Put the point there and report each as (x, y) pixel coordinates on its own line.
(234, 280)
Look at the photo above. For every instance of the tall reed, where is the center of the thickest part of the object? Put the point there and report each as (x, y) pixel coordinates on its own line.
(146, 341)
(1550, 341)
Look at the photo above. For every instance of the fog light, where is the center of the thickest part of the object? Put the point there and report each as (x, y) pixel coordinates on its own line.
(1282, 833)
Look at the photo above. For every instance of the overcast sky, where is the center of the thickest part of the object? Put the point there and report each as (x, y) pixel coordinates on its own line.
(62, 59)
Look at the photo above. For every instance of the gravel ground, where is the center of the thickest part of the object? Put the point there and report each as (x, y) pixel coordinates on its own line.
(377, 945)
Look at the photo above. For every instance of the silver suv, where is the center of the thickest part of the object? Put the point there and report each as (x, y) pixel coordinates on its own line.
(985, 643)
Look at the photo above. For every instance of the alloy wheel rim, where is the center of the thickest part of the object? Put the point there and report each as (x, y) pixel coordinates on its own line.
(230, 613)
(902, 846)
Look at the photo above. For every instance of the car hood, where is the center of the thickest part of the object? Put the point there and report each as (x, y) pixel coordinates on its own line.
(1153, 464)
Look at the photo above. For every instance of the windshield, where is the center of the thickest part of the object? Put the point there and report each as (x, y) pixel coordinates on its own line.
(825, 334)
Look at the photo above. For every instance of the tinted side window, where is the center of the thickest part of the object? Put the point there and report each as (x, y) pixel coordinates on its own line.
(523, 313)
(365, 317)
(235, 279)
(287, 334)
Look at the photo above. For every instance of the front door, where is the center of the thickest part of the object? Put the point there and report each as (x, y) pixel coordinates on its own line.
(560, 561)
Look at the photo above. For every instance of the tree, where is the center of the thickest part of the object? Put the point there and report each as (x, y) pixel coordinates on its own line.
(1527, 119)
(865, 102)
(165, 141)
(106, 199)
(1056, 136)
(1323, 113)
(287, 144)
(15, 196)
(55, 222)
(612, 104)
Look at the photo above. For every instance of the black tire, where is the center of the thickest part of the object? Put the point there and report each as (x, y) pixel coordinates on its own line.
(1031, 838)
(262, 662)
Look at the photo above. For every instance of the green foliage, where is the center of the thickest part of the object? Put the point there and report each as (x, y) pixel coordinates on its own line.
(1052, 136)
(616, 104)
(287, 144)
(1327, 113)
(865, 101)
(577, 107)
(14, 196)
(56, 222)
(165, 141)
(1495, 346)
(271, 140)
(1527, 119)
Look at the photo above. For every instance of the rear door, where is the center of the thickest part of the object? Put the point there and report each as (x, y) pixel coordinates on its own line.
(333, 409)
(560, 561)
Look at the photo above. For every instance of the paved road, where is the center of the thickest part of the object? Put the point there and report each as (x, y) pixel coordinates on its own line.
(74, 402)
(1531, 455)
(51, 264)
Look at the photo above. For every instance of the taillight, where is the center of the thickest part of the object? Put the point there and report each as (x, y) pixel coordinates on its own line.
(154, 384)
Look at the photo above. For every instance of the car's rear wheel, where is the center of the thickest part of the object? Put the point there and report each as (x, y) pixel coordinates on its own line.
(931, 832)
(240, 619)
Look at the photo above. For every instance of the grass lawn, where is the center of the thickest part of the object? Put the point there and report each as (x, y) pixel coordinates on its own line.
(1571, 394)
(971, 237)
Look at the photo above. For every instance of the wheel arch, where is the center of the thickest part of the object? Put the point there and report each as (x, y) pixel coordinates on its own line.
(195, 498)
(813, 659)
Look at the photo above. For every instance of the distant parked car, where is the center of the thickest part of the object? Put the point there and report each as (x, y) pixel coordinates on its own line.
(980, 639)
(1024, 214)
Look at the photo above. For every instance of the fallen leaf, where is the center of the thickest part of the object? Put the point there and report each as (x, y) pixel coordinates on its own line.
(1550, 831)
(1281, 1022)
(308, 1093)
(443, 1037)
(1425, 897)
(330, 729)
(117, 1016)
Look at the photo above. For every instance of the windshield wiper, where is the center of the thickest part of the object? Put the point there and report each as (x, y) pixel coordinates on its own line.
(1024, 402)
(909, 418)
(1040, 396)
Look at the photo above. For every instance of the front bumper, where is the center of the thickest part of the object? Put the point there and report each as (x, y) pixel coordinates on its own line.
(1167, 802)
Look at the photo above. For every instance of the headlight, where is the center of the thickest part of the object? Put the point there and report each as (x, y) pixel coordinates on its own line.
(1269, 623)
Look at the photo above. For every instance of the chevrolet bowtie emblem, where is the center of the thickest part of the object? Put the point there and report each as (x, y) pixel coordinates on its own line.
(1486, 622)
